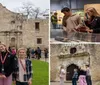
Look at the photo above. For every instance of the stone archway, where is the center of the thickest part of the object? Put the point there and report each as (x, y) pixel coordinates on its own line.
(70, 71)
(13, 42)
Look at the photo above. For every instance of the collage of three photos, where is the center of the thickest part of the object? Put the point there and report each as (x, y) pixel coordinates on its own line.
(54, 42)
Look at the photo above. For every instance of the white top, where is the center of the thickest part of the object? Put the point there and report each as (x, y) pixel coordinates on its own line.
(88, 72)
(21, 71)
(62, 73)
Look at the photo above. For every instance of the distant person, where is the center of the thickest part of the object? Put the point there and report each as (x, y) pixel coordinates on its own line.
(46, 53)
(35, 54)
(62, 74)
(32, 53)
(28, 53)
(38, 52)
(71, 22)
(13, 50)
(75, 77)
(54, 20)
(92, 21)
(88, 75)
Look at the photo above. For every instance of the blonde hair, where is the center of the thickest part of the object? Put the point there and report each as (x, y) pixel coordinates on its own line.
(93, 11)
(19, 51)
(83, 67)
(4, 46)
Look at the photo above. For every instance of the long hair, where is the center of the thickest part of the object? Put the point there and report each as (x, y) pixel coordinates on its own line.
(93, 11)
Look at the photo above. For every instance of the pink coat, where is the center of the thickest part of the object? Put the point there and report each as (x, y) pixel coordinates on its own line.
(82, 80)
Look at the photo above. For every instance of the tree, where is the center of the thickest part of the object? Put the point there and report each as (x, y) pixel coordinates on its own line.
(35, 13)
(30, 11)
(27, 9)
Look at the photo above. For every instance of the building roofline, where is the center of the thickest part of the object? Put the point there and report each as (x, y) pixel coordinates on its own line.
(7, 9)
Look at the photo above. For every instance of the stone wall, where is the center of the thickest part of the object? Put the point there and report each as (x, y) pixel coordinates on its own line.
(10, 22)
(95, 62)
(57, 59)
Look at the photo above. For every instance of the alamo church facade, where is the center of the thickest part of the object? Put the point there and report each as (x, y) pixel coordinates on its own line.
(74, 56)
(16, 30)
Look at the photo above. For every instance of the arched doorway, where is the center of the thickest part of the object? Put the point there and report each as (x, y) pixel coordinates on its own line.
(70, 71)
(13, 41)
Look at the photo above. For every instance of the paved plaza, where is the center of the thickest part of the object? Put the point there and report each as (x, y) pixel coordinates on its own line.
(57, 83)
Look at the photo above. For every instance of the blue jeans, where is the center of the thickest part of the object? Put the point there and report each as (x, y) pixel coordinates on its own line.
(54, 26)
(88, 80)
(74, 81)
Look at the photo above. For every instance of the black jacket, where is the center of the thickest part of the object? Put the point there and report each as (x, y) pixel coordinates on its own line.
(9, 65)
(82, 72)
(94, 24)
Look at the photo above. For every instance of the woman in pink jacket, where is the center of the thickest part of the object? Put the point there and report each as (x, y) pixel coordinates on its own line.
(82, 77)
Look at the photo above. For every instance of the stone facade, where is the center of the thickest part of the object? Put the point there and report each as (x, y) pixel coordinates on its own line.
(85, 54)
(95, 62)
(18, 31)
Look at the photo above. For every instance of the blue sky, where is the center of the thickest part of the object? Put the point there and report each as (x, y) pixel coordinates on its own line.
(14, 4)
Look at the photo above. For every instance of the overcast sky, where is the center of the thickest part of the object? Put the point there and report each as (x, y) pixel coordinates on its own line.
(14, 4)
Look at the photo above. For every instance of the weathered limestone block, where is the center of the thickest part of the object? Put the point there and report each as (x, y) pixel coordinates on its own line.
(53, 71)
(95, 62)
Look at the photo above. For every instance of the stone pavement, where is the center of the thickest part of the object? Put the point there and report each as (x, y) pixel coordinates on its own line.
(69, 83)
(57, 83)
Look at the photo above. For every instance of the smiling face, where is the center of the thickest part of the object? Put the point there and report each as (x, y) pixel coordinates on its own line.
(22, 53)
(2, 48)
(89, 12)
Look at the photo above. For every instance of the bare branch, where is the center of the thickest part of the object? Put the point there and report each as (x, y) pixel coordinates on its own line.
(30, 11)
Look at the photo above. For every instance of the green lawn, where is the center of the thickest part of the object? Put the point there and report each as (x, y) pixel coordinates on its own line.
(40, 72)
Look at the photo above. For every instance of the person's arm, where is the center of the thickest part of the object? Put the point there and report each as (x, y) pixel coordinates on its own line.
(64, 29)
(79, 21)
(87, 24)
(52, 18)
(15, 67)
(2, 76)
(97, 29)
(30, 72)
